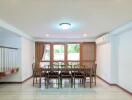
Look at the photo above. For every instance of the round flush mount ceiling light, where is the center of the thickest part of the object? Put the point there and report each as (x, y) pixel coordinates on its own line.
(85, 35)
(47, 35)
(65, 26)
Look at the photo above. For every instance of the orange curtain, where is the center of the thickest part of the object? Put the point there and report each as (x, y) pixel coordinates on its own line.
(88, 53)
(39, 51)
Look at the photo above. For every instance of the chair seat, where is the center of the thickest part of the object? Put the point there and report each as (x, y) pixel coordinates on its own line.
(53, 73)
(65, 73)
(52, 76)
(79, 76)
(44, 74)
(66, 76)
(88, 75)
(78, 73)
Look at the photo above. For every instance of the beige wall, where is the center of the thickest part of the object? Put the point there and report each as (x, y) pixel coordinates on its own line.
(27, 57)
(25, 53)
(114, 59)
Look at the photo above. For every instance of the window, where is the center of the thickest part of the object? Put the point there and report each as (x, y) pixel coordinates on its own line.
(58, 52)
(74, 52)
(45, 64)
(68, 54)
(46, 55)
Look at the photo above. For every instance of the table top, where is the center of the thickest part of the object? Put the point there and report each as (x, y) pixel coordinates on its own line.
(65, 69)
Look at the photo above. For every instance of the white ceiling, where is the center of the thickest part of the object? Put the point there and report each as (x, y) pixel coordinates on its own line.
(40, 17)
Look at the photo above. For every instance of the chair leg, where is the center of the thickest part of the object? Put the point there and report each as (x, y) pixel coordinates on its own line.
(84, 80)
(95, 80)
(61, 82)
(45, 82)
(33, 81)
(80, 81)
(90, 81)
(74, 82)
(36, 79)
(58, 83)
(56, 80)
(71, 82)
(40, 82)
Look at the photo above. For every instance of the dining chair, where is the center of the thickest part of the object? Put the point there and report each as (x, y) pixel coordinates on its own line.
(66, 73)
(35, 75)
(38, 72)
(78, 73)
(94, 68)
(43, 74)
(53, 73)
(88, 73)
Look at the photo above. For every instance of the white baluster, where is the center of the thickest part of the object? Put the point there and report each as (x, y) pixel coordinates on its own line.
(8, 59)
(4, 59)
(0, 60)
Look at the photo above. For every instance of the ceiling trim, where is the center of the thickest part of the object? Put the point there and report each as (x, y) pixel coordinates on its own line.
(122, 28)
(66, 40)
(15, 30)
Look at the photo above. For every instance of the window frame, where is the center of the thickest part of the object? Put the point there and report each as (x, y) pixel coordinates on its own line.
(66, 61)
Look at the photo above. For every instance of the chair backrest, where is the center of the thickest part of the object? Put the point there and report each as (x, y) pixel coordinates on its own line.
(88, 70)
(55, 68)
(62, 66)
(69, 66)
(33, 66)
(94, 68)
(76, 68)
(67, 69)
(82, 68)
(35, 69)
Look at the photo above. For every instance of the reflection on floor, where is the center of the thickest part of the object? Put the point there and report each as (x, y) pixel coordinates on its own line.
(27, 92)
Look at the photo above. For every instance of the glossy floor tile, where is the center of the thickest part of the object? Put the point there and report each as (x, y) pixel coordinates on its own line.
(26, 91)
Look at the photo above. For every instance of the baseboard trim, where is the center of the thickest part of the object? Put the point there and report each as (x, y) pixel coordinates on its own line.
(124, 89)
(27, 79)
(17, 82)
(111, 84)
(107, 81)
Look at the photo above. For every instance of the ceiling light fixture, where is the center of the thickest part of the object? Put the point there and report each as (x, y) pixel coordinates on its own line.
(85, 35)
(47, 35)
(65, 26)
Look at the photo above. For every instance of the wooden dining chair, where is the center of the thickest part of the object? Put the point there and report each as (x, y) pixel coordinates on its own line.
(38, 72)
(78, 73)
(43, 74)
(94, 68)
(88, 73)
(53, 73)
(66, 73)
(35, 74)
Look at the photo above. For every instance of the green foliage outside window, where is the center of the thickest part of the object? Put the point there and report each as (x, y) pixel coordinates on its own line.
(73, 48)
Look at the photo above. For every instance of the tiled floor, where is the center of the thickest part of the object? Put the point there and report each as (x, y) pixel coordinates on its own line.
(27, 92)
